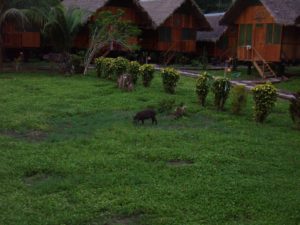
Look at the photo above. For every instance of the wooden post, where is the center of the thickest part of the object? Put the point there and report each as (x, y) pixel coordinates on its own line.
(249, 70)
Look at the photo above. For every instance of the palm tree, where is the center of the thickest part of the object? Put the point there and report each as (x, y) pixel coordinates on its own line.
(62, 26)
(22, 12)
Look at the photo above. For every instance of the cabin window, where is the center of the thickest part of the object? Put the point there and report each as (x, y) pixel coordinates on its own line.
(188, 34)
(273, 34)
(164, 34)
(245, 34)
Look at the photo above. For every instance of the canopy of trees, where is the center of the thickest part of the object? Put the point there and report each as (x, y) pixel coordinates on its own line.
(214, 5)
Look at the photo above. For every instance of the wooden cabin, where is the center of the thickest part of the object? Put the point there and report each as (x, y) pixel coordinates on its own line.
(267, 32)
(174, 26)
(167, 25)
(16, 39)
(220, 43)
(131, 9)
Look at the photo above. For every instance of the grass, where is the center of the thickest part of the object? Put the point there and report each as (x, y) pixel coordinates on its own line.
(71, 155)
(292, 85)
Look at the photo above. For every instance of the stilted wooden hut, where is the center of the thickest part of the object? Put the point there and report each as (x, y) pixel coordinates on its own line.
(167, 25)
(16, 38)
(131, 8)
(174, 26)
(221, 42)
(267, 32)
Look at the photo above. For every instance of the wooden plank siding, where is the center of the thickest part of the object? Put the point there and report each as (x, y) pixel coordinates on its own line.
(258, 17)
(12, 38)
(287, 48)
(222, 49)
(290, 50)
(177, 22)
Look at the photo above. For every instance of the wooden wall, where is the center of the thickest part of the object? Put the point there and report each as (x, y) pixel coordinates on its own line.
(13, 38)
(214, 50)
(259, 17)
(176, 22)
(290, 43)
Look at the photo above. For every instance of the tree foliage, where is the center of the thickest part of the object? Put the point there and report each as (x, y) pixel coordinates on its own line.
(214, 5)
(62, 25)
(108, 30)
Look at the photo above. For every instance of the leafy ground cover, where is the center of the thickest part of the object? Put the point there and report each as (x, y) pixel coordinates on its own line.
(71, 155)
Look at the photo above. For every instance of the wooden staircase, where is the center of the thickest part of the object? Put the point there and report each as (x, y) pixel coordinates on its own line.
(262, 66)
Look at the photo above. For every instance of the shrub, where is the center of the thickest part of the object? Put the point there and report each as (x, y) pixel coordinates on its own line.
(147, 73)
(134, 71)
(239, 99)
(99, 66)
(121, 65)
(295, 109)
(264, 97)
(221, 88)
(77, 64)
(166, 105)
(196, 63)
(105, 67)
(202, 87)
(109, 68)
(181, 59)
(170, 78)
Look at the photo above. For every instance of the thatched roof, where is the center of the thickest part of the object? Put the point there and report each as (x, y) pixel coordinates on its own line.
(218, 30)
(284, 12)
(160, 10)
(157, 11)
(90, 6)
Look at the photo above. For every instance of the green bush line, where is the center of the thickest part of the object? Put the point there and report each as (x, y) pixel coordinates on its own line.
(264, 95)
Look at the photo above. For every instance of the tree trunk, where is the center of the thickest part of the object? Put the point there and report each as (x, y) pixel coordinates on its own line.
(88, 60)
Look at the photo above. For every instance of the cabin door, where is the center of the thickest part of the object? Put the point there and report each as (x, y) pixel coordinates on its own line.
(259, 41)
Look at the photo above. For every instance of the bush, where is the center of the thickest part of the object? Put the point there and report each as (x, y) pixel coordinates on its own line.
(239, 99)
(181, 59)
(99, 66)
(134, 71)
(109, 68)
(147, 73)
(202, 87)
(265, 97)
(104, 67)
(121, 65)
(221, 88)
(170, 78)
(166, 105)
(295, 110)
(77, 64)
(196, 63)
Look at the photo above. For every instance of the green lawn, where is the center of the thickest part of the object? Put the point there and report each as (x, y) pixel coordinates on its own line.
(292, 85)
(70, 155)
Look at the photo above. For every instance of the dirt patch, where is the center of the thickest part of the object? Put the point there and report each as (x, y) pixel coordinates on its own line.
(180, 162)
(35, 177)
(31, 135)
(125, 220)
